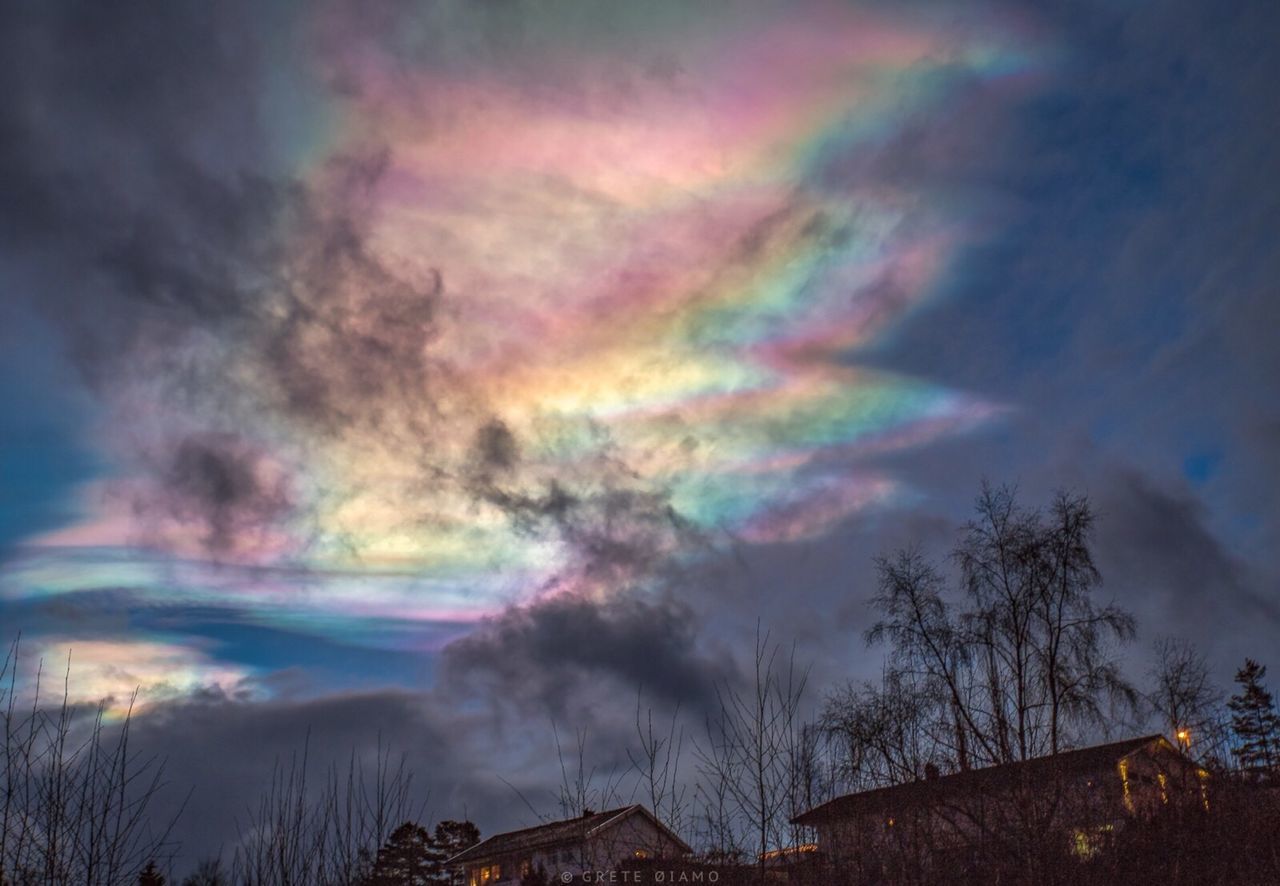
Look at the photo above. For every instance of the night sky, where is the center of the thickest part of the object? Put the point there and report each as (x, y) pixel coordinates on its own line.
(444, 370)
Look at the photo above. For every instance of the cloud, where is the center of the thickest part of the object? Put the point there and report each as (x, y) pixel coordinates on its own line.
(355, 296)
(223, 751)
(564, 653)
(1120, 309)
(122, 675)
(230, 492)
(114, 172)
(1157, 551)
(501, 313)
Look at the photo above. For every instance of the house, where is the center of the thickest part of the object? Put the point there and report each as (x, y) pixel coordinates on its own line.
(595, 841)
(1083, 796)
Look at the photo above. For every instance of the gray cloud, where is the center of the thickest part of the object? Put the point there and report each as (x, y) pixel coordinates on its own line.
(1123, 310)
(218, 482)
(222, 751)
(1159, 555)
(563, 654)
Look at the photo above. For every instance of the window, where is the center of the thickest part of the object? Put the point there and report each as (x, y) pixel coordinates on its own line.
(526, 868)
(642, 853)
(1087, 843)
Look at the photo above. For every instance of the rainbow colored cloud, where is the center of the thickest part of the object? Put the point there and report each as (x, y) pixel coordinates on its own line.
(541, 311)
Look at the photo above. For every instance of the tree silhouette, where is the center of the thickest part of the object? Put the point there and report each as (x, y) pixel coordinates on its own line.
(151, 876)
(405, 859)
(75, 795)
(450, 838)
(1016, 659)
(1255, 723)
(1182, 694)
(208, 872)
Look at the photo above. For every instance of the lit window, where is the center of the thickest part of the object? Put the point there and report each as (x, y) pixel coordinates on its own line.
(497, 872)
(1088, 843)
(1123, 768)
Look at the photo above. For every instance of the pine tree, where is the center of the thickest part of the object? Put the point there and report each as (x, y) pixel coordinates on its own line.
(450, 838)
(1255, 723)
(405, 859)
(151, 876)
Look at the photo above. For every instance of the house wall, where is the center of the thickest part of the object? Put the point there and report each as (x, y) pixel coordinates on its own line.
(634, 834)
(602, 852)
(1161, 777)
(1082, 804)
(566, 856)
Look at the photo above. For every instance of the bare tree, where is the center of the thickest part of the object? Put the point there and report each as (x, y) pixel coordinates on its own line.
(1181, 693)
(718, 817)
(297, 837)
(584, 788)
(1043, 644)
(929, 647)
(814, 776)
(656, 763)
(883, 734)
(75, 799)
(1018, 661)
(747, 759)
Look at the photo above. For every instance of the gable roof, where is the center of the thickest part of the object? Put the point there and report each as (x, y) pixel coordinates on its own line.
(569, 830)
(991, 778)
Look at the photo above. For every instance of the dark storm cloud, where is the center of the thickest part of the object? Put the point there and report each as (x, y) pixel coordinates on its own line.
(1156, 547)
(567, 652)
(555, 653)
(126, 135)
(223, 752)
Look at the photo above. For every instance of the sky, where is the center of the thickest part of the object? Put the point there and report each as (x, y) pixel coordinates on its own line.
(439, 371)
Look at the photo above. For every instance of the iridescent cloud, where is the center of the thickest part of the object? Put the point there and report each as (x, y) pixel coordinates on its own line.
(124, 675)
(534, 318)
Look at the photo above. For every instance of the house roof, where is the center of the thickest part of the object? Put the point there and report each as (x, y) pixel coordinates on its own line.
(1081, 761)
(556, 832)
